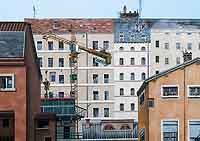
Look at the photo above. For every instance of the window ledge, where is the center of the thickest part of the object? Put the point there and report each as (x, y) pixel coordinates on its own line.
(8, 90)
(170, 96)
(193, 96)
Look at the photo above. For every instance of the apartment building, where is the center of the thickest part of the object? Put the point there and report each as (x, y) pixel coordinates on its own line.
(96, 86)
(130, 53)
(169, 104)
(169, 38)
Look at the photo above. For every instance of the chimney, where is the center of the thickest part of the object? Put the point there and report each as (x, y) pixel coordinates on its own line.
(124, 9)
(187, 56)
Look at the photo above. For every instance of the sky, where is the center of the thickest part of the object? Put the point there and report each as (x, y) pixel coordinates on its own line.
(19, 9)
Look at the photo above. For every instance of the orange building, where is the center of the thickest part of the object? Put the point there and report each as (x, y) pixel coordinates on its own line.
(19, 82)
(169, 104)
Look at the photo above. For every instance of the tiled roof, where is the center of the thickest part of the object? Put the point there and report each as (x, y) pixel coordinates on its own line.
(79, 25)
(13, 26)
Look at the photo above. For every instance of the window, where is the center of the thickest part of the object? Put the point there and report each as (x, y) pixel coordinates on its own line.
(121, 61)
(61, 45)
(157, 72)
(178, 46)
(50, 45)
(95, 78)
(157, 44)
(95, 45)
(95, 112)
(121, 76)
(178, 33)
(143, 76)
(47, 139)
(151, 102)
(106, 112)
(132, 76)
(6, 123)
(132, 106)
(132, 61)
(121, 48)
(61, 62)
(52, 76)
(194, 128)
(170, 130)
(142, 134)
(199, 46)
(141, 98)
(39, 45)
(95, 63)
(189, 33)
(105, 45)
(61, 94)
(166, 61)
(157, 59)
(189, 46)
(143, 49)
(178, 60)
(132, 48)
(95, 95)
(51, 94)
(132, 91)
(121, 36)
(194, 91)
(106, 78)
(143, 61)
(121, 91)
(7, 82)
(43, 123)
(50, 62)
(169, 91)
(121, 107)
(106, 95)
(61, 79)
(40, 61)
(166, 45)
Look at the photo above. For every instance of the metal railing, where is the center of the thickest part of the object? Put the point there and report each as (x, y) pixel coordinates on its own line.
(95, 131)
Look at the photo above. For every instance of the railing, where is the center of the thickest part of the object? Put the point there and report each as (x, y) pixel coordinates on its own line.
(95, 131)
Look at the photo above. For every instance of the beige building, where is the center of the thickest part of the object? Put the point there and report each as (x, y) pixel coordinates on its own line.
(169, 104)
(95, 80)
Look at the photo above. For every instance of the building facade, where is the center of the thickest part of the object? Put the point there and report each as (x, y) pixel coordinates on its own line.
(20, 82)
(168, 104)
(169, 38)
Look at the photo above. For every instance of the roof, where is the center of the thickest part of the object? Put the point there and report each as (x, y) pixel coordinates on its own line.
(79, 25)
(154, 77)
(13, 26)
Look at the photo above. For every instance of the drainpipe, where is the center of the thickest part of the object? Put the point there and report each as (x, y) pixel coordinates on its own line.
(87, 74)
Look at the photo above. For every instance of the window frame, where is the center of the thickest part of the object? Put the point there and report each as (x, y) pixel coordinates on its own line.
(162, 86)
(188, 91)
(191, 120)
(13, 82)
(163, 120)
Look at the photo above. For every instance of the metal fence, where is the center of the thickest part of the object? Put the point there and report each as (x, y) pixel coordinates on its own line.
(95, 132)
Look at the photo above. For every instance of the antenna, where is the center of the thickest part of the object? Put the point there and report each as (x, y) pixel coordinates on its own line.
(140, 8)
(34, 11)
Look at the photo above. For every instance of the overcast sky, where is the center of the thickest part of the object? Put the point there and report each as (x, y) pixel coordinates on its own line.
(20, 9)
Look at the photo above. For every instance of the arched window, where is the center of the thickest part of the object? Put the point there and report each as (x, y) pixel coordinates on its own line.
(132, 91)
(132, 106)
(143, 76)
(132, 61)
(143, 61)
(121, 48)
(143, 49)
(108, 127)
(132, 48)
(132, 76)
(125, 127)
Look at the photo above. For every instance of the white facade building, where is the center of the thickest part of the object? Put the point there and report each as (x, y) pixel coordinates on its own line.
(130, 69)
